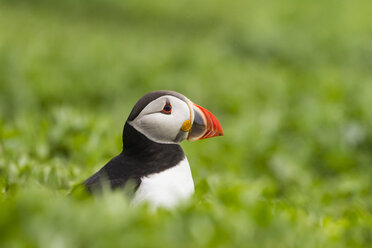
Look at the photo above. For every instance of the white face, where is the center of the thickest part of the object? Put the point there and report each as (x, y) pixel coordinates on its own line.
(159, 124)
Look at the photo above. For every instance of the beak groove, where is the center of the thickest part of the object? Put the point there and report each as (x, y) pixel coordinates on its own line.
(205, 125)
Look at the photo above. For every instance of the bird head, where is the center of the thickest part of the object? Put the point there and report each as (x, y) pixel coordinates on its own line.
(169, 117)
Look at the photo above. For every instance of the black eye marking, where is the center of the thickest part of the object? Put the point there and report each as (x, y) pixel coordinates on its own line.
(167, 108)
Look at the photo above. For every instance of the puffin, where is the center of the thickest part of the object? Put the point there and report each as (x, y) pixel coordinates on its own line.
(152, 163)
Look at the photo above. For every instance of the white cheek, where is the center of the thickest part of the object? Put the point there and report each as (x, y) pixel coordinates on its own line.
(159, 126)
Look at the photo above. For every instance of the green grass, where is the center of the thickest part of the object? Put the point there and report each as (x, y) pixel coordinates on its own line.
(290, 82)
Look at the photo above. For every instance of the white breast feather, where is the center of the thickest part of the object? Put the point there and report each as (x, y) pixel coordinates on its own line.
(166, 188)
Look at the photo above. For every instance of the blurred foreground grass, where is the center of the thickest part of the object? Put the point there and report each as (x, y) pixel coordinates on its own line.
(290, 81)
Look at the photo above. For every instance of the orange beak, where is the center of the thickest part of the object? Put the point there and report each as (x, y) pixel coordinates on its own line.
(205, 125)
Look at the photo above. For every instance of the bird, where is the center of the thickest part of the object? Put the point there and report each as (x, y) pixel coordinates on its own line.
(152, 160)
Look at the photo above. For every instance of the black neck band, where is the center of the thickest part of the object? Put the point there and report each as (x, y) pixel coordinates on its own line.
(150, 157)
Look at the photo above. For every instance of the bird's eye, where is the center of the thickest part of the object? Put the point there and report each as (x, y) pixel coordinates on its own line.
(167, 109)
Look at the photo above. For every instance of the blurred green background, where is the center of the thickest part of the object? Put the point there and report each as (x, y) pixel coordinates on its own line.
(290, 82)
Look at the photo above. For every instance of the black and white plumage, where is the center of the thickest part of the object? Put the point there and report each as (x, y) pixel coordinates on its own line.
(152, 158)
